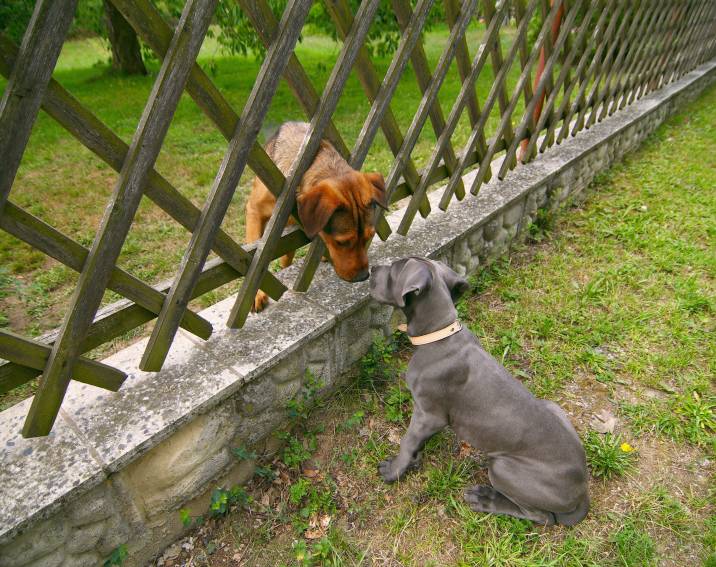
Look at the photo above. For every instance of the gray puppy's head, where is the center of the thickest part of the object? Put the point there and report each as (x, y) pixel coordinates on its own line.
(411, 280)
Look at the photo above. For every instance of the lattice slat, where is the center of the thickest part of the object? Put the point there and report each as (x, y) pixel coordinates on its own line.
(594, 74)
(27, 83)
(424, 109)
(98, 138)
(151, 27)
(542, 86)
(222, 190)
(115, 225)
(522, 86)
(684, 22)
(563, 79)
(34, 355)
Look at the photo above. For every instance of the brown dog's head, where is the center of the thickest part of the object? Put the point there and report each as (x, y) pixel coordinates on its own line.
(341, 211)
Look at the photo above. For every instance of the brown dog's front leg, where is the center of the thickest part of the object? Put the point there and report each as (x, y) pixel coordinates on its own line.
(422, 427)
(255, 226)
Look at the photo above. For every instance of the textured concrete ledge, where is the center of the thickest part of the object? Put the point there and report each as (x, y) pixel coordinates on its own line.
(118, 466)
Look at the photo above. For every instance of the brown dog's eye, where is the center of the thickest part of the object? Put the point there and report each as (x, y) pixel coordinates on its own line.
(343, 243)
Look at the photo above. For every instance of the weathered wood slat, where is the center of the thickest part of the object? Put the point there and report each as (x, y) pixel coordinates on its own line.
(646, 59)
(679, 30)
(702, 34)
(581, 77)
(421, 68)
(353, 43)
(34, 355)
(98, 138)
(340, 13)
(266, 26)
(528, 115)
(522, 83)
(616, 27)
(563, 79)
(26, 85)
(115, 225)
(491, 35)
(704, 49)
(52, 242)
(594, 46)
(496, 92)
(16, 376)
(427, 102)
(538, 110)
(497, 64)
(649, 26)
(521, 40)
(147, 21)
(123, 316)
(224, 186)
(612, 65)
(408, 42)
(462, 57)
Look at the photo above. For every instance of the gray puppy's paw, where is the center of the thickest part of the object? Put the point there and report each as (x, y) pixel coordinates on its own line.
(391, 471)
(388, 471)
(480, 498)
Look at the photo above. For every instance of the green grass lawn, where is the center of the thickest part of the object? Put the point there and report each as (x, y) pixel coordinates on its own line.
(66, 185)
(611, 307)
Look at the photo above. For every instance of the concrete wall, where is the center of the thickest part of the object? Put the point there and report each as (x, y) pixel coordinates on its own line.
(119, 466)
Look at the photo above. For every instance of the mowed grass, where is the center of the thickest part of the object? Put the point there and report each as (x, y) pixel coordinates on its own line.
(609, 309)
(65, 185)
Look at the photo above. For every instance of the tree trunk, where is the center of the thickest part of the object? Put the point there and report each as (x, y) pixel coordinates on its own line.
(126, 53)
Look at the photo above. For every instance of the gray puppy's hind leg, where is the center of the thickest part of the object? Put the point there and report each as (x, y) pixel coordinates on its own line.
(483, 498)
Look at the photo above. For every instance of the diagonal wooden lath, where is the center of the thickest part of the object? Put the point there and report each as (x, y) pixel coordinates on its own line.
(115, 225)
(223, 188)
(352, 45)
(27, 83)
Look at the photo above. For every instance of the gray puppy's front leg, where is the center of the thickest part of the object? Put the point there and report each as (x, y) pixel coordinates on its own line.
(422, 427)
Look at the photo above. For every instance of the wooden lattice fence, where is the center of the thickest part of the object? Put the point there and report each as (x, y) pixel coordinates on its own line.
(594, 59)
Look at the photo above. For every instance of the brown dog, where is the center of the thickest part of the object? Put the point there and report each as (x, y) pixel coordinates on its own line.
(334, 201)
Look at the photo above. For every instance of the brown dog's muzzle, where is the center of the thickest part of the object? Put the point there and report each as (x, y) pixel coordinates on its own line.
(360, 276)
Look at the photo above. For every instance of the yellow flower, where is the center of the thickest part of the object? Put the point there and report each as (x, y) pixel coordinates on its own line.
(626, 447)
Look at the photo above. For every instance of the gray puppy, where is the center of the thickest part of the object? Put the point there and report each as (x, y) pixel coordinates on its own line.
(536, 462)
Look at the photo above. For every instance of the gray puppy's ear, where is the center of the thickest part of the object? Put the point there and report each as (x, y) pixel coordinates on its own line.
(454, 281)
(415, 277)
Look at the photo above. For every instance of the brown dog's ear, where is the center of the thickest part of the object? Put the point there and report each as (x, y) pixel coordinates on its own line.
(316, 204)
(378, 182)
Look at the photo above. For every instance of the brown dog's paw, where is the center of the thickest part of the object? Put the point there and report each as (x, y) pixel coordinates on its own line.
(260, 301)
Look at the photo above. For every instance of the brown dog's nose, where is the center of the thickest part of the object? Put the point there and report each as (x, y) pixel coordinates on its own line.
(360, 276)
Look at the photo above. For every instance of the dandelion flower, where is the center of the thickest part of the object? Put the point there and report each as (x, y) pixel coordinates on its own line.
(626, 447)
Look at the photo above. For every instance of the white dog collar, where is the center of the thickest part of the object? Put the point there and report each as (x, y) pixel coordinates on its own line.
(438, 335)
